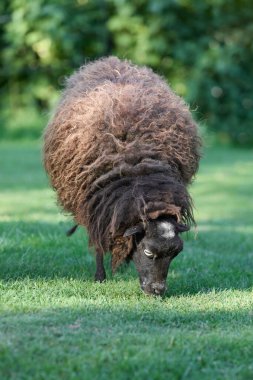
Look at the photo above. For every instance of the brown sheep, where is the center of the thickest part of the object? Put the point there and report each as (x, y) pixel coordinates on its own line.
(120, 150)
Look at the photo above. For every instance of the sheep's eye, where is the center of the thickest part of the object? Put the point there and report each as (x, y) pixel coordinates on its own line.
(148, 253)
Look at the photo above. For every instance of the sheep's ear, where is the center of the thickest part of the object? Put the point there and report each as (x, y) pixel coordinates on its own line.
(182, 227)
(134, 230)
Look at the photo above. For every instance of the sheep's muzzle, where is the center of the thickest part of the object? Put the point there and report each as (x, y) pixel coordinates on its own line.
(156, 288)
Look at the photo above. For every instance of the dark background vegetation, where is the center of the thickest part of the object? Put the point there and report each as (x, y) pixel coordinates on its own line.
(204, 48)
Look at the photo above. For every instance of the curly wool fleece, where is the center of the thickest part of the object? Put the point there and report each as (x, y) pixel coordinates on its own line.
(120, 148)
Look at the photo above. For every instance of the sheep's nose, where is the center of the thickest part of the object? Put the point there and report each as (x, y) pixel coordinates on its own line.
(158, 289)
(154, 289)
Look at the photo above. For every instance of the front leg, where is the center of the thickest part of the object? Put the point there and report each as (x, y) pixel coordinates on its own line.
(100, 274)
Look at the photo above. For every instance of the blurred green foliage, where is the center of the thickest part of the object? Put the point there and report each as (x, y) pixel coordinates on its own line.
(203, 47)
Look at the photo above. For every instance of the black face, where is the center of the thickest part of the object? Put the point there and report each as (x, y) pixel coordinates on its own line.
(156, 246)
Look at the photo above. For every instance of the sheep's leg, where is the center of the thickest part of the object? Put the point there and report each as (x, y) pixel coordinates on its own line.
(100, 274)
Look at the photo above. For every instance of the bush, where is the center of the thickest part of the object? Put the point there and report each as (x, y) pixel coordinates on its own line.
(203, 48)
(42, 42)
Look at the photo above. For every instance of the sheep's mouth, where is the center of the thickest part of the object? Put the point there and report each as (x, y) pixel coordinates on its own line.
(154, 289)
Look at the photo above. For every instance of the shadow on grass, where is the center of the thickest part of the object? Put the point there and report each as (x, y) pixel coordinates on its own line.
(99, 342)
(42, 249)
(117, 316)
(218, 259)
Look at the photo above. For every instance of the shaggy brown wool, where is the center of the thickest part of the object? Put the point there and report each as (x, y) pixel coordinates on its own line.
(120, 148)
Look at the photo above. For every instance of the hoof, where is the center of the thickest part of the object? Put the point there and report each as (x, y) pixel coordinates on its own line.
(100, 277)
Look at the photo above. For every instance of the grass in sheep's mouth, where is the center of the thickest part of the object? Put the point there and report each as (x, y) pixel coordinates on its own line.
(55, 323)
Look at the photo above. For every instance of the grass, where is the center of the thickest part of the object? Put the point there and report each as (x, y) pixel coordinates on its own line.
(55, 323)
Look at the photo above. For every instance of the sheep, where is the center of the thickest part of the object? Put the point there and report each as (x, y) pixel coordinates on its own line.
(120, 150)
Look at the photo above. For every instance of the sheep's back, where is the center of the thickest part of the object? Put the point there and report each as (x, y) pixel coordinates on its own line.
(112, 117)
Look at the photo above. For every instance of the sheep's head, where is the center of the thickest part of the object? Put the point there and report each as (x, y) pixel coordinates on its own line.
(155, 246)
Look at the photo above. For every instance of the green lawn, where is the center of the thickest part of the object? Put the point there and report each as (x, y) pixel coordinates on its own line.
(55, 323)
